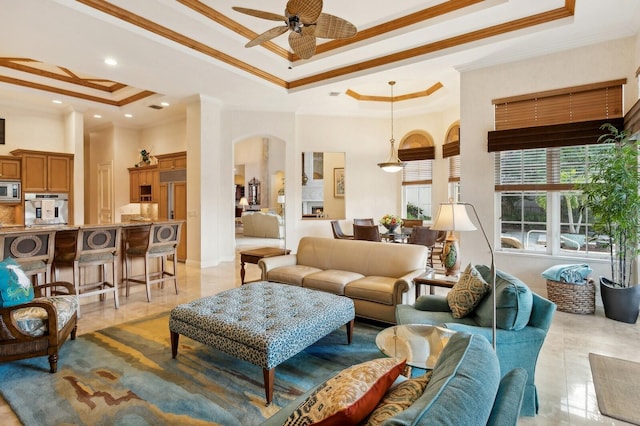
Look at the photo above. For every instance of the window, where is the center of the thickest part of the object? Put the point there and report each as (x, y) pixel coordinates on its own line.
(416, 181)
(418, 151)
(540, 203)
(544, 144)
(451, 150)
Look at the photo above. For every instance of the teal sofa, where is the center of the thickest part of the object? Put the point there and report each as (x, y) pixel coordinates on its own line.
(465, 389)
(523, 319)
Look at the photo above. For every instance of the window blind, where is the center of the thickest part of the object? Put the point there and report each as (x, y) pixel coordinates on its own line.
(581, 103)
(454, 168)
(546, 169)
(419, 172)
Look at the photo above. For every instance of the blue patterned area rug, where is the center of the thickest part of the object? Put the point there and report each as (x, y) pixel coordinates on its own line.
(125, 375)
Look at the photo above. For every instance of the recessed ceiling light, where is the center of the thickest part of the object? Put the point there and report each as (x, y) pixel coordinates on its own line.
(164, 104)
(97, 116)
(55, 101)
(128, 115)
(111, 61)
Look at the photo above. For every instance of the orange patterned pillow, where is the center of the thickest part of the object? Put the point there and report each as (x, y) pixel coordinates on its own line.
(349, 396)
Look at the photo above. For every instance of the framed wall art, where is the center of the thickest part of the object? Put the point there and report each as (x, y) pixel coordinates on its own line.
(338, 182)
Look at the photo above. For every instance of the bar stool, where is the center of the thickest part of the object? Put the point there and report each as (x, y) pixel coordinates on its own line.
(86, 247)
(33, 250)
(157, 240)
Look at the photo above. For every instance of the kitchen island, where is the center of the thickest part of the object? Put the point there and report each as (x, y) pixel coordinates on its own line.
(37, 248)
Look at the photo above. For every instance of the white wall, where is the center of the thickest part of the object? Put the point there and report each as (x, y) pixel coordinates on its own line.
(608, 61)
(31, 129)
(164, 138)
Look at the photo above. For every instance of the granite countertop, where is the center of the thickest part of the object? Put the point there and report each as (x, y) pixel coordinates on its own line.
(12, 229)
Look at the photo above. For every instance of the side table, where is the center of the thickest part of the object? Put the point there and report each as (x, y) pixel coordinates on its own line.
(432, 279)
(253, 256)
(419, 344)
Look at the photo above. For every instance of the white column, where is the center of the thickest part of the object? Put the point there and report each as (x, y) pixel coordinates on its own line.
(74, 143)
(209, 186)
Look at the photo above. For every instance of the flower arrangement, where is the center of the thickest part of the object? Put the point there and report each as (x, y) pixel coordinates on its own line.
(391, 221)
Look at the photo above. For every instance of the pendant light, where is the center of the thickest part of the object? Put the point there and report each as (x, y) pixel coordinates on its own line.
(393, 163)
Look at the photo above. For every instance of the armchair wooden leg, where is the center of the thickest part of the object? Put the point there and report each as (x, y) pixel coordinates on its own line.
(53, 363)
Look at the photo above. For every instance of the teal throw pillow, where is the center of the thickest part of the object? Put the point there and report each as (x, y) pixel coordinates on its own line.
(15, 286)
(514, 302)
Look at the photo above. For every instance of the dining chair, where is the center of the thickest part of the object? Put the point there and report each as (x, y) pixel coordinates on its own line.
(438, 248)
(337, 231)
(366, 232)
(411, 223)
(423, 235)
(368, 221)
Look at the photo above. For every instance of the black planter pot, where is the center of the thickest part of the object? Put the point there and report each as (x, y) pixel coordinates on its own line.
(620, 303)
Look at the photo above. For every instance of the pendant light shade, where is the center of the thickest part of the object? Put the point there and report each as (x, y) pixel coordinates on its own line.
(393, 163)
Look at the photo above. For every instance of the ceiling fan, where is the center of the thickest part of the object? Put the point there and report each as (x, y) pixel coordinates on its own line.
(306, 21)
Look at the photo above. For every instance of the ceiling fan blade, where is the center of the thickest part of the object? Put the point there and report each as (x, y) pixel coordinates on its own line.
(304, 44)
(260, 14)
(329, 26)
(307, 10)
(267, 35)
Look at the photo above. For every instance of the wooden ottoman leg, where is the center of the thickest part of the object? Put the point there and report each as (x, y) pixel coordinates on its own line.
(350, 331)
(269, 377)
(174, 344)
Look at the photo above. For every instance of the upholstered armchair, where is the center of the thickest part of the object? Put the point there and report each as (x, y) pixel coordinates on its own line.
(523, 319)
(39, 327)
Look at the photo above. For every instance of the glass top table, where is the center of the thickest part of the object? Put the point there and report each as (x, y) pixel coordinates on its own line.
(419, 344)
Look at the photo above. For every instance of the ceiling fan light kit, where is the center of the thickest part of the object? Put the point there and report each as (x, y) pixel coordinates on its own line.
(393, 163)
(305, 20)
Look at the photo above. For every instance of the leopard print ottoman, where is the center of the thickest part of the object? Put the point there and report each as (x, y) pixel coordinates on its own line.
(263, 323)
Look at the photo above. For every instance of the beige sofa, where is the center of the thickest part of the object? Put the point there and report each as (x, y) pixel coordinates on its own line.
(263, 225)
(376, 276)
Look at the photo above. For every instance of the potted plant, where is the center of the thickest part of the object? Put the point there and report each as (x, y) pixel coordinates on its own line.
(613, 201)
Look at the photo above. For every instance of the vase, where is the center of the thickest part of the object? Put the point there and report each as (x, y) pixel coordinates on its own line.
(620, 303)
(391, 228)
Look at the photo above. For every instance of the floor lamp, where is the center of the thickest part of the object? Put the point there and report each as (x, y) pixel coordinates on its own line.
(453, 217)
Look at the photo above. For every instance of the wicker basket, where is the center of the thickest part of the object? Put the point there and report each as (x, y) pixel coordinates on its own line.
(573, 298)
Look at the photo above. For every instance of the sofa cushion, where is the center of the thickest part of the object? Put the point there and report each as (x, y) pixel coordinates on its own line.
(466, 375)
(467, 293)
(349, 396)
(330, 280)
(33, 320)
(15, 286)
(398, 398)
(373, 289)
(293, 274)
(514, 302)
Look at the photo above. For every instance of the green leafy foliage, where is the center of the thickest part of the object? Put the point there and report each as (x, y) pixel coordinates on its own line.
(613, 200)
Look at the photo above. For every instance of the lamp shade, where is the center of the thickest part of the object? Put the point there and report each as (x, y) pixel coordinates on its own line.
(453, 217)
(243, 202)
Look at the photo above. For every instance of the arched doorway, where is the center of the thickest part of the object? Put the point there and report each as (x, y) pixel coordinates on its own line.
(259, 164)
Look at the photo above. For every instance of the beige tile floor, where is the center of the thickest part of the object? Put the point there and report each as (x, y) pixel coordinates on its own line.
(563, 375)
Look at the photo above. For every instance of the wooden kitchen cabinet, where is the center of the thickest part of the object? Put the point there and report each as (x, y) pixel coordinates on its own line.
(144, 184)
(46, 171)
(59, 173)
(172, 198)
(9, 168)
(175, 160)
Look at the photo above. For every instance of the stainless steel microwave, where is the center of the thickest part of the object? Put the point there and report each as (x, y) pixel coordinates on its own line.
(10, 191)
